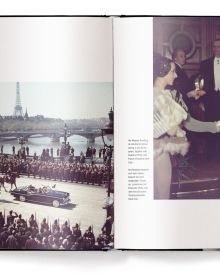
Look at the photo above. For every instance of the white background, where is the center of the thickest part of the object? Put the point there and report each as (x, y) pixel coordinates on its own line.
(111, 265)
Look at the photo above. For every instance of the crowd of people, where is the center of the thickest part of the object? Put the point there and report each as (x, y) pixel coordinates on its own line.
(95, 174)
(47, 153)
(66, 150)
(16, 233)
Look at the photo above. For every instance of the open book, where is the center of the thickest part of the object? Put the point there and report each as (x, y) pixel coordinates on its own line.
(109, 133)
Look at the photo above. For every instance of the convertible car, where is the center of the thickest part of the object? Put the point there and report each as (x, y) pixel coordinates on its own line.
(44, 195)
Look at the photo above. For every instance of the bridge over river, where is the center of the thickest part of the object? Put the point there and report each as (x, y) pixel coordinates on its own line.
(54, 134)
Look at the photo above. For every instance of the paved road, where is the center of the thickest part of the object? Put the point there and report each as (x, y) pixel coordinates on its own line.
(86, 207)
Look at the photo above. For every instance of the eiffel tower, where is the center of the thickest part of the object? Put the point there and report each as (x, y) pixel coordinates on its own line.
(18, 111)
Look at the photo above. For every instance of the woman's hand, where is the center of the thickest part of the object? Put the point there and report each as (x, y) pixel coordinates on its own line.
(196, 94)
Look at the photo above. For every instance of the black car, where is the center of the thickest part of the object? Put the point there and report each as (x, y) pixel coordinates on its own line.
(44, 195)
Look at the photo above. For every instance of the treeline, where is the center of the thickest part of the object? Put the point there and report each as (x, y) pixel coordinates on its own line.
(16, 125)
(49, 123)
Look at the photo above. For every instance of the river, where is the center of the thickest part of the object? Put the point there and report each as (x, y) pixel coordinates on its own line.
(36, 145)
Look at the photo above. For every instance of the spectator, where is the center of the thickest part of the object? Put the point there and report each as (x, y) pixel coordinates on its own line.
(14, 236)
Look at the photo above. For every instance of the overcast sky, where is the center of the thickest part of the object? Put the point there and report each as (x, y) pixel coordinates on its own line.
(59, 100)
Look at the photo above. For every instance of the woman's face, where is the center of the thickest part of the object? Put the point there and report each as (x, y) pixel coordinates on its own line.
(171, 75)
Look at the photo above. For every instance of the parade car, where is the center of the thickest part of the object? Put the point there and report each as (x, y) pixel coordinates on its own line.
(44, 195)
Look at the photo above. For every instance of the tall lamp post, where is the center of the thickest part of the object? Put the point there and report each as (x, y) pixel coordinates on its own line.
(65, 134)
(21, 141)
(109, 131)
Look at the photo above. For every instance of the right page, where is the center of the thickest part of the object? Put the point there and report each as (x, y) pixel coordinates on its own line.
(166, 100)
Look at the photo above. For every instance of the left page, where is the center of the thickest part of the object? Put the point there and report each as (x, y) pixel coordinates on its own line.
(56, 162)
